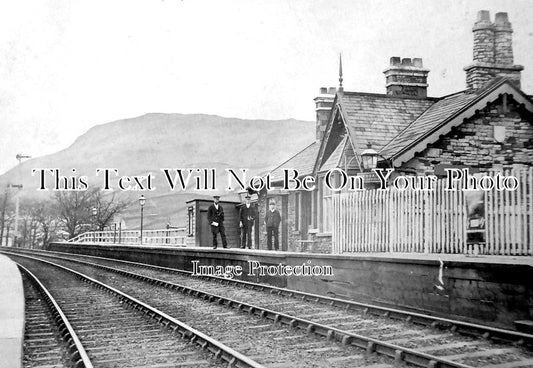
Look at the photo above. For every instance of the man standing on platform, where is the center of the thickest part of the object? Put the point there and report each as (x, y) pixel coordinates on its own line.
(247, 217)
(215, 216)
(272, 221)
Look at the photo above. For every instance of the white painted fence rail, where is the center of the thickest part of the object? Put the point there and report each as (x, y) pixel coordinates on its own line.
(171, 237)
(435, 221)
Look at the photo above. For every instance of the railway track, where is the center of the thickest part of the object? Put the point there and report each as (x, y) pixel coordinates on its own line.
(49, 340)
(383, 333)
(113, 329)
(261, 341)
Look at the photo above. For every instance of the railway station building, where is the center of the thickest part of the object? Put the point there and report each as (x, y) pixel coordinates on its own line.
(486, 128)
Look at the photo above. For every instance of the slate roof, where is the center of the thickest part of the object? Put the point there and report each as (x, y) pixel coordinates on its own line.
(436, 116)
(378, 118)
(333, 160)
(303, 162)
(391, 124)
(430, 119)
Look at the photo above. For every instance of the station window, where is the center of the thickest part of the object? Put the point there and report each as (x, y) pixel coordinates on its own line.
(190, 221)
(325, 204)
(297, 211)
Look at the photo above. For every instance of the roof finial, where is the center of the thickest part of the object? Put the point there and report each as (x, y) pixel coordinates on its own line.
(340, 73)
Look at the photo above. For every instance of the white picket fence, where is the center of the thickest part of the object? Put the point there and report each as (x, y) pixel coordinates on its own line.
(510, 218)
(433, 221)
(172, 237)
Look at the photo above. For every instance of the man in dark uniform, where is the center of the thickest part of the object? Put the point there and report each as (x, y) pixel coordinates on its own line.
(215, 216)
(247, 217)
(272, 221)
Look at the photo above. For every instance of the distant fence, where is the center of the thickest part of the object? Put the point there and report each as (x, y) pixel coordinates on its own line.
(436, 221)
(171, 237)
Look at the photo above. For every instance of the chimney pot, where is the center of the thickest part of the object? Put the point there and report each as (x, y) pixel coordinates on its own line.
(395, 60)
(323, 90)
(483, 21)
(501, 18)
(483, 15)
(406, 62)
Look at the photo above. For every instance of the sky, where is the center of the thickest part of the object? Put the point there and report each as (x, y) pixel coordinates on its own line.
(66, 66)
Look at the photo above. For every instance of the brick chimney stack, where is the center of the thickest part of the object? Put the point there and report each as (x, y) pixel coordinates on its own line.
(323, 103)
(406, 77)
(493, 51)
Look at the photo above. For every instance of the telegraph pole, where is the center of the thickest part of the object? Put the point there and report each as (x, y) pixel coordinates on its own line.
(19, 157)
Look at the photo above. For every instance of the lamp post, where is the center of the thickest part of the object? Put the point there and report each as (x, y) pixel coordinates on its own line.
(369, 161)
(95, 213)
(369, 158)
(142, 201)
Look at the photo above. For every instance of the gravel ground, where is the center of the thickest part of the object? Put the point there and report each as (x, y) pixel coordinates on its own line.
(379, 327)
(43, 346)
(113, 334)
(432, 341)
(268, 344)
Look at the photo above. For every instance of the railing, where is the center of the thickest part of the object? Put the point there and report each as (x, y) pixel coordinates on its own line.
(171, 237)
(509, 217)
(436, 221)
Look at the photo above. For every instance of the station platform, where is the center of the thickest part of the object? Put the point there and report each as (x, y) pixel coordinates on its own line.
(460, 258)
(494, 290)
(11, 314)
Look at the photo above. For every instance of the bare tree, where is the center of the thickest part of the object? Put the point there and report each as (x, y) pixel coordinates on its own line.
(39, 222)
(23, 230)
(3, 213)
(46, 215)
(73, 210)
(28, 227)
(9, 220)
(107, 206)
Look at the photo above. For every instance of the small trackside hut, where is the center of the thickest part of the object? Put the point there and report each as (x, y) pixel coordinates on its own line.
(198, 228)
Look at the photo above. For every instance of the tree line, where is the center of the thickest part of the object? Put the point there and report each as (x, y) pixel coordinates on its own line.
(62, 216)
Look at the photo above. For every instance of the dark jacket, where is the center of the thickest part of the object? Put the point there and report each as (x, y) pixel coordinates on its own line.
(247, 215)
(214, 215)
(272, 219)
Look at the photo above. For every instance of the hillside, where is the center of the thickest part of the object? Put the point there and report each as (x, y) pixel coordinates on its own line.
(150, 142)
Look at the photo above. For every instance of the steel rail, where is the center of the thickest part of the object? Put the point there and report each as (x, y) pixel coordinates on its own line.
(218, 349)
(398, 353)
(461, 327)
(77, 352)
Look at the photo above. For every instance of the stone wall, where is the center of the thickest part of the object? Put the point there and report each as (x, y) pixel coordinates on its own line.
(477, 289)
(316, 243)
(477, 75)
(475, 144)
